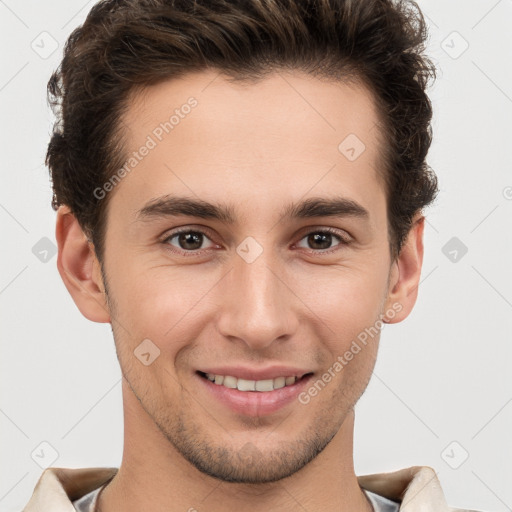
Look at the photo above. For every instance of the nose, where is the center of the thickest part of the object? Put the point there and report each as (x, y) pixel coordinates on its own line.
(258, 306)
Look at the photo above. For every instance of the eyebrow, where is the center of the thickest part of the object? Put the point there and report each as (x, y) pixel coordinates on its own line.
(175, 206)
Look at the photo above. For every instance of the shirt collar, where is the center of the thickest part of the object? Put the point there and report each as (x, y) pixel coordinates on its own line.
(417, 488)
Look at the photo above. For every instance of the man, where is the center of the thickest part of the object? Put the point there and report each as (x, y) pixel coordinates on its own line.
(240, 188)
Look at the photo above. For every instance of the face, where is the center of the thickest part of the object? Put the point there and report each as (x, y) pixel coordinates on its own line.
(277, 271)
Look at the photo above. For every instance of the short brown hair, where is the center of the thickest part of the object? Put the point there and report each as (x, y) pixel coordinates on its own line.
(126, 45)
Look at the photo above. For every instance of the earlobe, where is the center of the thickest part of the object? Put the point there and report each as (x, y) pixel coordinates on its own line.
(405, 276)
(79, 268)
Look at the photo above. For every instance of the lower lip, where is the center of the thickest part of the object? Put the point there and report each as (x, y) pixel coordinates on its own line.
(255, 403)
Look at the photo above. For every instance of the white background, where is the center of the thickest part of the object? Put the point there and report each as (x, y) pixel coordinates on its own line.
(442, 376)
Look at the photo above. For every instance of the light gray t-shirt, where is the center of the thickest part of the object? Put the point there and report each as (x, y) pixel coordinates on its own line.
(87, 503)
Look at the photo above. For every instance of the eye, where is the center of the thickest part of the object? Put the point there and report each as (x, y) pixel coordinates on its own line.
(321, 240)
(188, 240)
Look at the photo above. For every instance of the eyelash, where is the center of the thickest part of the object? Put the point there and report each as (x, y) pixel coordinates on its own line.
(344, 241)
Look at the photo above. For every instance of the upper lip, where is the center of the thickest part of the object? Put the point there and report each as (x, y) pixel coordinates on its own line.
(272, 372)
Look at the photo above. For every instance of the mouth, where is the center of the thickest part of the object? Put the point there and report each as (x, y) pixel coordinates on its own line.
(260, 386)
(253, 398)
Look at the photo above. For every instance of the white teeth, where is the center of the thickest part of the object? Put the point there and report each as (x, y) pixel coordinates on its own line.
(229, 382)
(264, 385)
(246, 385)
(251, 385)
(279, 382)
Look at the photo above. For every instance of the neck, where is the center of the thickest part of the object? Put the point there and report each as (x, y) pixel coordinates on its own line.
(154, 476)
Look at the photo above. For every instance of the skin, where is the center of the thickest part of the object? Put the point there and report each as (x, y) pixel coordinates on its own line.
(255, 147)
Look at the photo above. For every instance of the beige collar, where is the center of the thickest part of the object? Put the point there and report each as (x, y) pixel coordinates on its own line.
(416, 487)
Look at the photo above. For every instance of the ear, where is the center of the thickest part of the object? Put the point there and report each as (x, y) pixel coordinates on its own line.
(79, 268)
(405, 275)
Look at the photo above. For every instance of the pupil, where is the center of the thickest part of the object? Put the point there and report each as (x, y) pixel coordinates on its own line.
(190, 238)
(323, 239)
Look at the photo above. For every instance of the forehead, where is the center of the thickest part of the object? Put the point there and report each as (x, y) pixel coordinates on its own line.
(273, 103)
(288, 132)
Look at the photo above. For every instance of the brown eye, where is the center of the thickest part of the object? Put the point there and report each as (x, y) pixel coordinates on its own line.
(187, 240)
(322, 241)
(190, 241)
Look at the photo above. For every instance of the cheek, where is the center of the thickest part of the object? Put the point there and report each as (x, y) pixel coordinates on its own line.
(159, 303)
(353, 315)
(348, 305)
(344, 298)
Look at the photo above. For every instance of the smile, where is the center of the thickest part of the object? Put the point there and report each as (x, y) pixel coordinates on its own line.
(231, 382)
